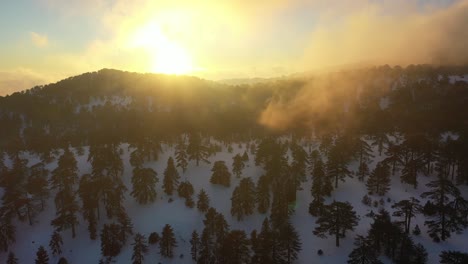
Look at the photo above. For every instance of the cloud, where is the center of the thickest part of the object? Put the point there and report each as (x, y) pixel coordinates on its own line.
(404, 33)
(39, 40)
(400, 33)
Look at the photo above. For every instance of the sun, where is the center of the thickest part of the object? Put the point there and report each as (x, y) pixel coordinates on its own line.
(171, 59)
(164, 55)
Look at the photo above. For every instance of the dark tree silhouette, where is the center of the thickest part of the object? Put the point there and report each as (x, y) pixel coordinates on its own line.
(140, 248)
(407, 209)
(263, 194)
(221, 174)
(111, 240)
(446, 198)
(181, 155)
(195, 149)
(11, 258)
(203, 202)
(453, 257)
(7, 233)
(171, 177)
(144, 185)
(235, 247)
(363, 253)
(41, 256)
(167, 242)
(336, 219)
(243, 199)
(56, 243)
(237, 165)
(379, 180)
(337, 165)
(195, 245)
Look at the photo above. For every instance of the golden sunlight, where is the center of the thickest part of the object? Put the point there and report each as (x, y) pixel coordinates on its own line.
(165, 55)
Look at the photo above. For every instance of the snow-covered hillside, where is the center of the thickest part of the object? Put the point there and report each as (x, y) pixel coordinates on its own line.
(151, 218)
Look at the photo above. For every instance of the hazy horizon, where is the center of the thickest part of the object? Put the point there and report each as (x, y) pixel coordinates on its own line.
(49, 40)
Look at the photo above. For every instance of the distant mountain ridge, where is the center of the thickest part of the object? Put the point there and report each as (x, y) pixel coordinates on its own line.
(114, 106)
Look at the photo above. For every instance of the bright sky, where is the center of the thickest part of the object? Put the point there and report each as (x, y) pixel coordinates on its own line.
(46, 40)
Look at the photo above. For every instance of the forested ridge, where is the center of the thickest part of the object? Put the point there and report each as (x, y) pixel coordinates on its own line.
(133, 106)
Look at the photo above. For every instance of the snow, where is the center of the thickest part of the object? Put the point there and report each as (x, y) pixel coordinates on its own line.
(122, 101)
(384, 103)
(458, 78)
(152, 218)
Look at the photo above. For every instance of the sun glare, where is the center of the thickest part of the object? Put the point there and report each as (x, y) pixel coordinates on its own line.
(165, 55)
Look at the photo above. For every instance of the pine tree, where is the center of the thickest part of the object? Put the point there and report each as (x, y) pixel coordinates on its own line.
(394, 156)
(63, 178)
(336, 219)
(171, 177)
(379, 181)
(243, 199)
(136, 158)
(56, 243)
(168, 242)
(237, 165)
(446, 198)
(245, 156)
(144, 185)
(381, 230)
(363, 253)
(203, 202)
(363, 171)
(13, 182)
(221, 174)
(410, 171)
(37, 184)
(195, 245)
(290, 242)
(337, 168)
(89, 197)
(140, 248)
(41, 256)
(314, 156)
(196, 151)
(181, 155)
(453, 257)
(299, 164)
(107, 170)
(407, 209)
(235, 247)
(154, 238)
(263, 194)
(65, 175)
(126, 226)
(66, 214)
(264, 249)
(321, 185)
(11, 258)
(111, 240)
(185, 190)
(363, 150)
(62, 260)
(380, 138)
(7, 233)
